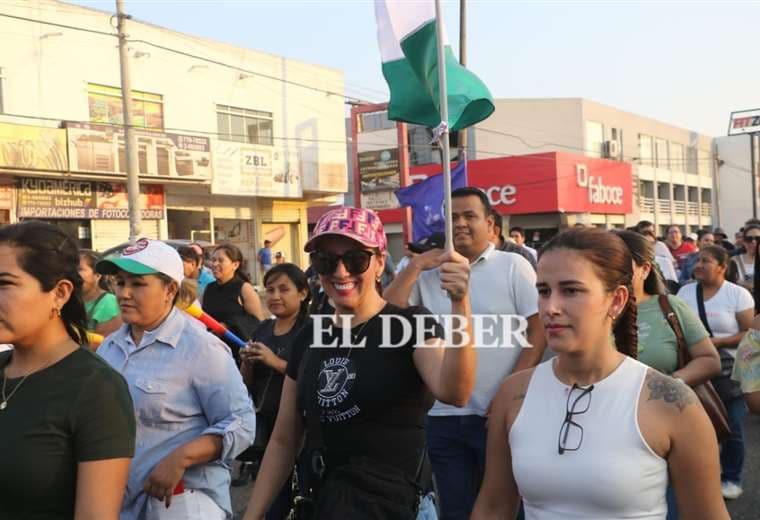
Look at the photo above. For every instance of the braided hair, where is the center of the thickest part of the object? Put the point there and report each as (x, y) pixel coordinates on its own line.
(613, 264)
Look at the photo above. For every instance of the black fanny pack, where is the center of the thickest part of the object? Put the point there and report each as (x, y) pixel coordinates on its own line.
(365, 489)
(361, 489)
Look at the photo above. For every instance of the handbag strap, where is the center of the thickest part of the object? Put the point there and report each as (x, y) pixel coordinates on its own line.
(675, 324)
(701, 309)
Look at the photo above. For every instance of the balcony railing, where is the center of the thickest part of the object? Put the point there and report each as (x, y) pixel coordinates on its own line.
(647, 205)
(663, 206)
(679, 206)
(706, 209)
(692, 208)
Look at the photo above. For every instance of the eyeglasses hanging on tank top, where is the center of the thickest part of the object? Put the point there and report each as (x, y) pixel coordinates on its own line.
(571, 433)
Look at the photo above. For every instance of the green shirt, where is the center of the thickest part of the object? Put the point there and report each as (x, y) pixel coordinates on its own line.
(101, 310)
(658, 347)
(77, 410)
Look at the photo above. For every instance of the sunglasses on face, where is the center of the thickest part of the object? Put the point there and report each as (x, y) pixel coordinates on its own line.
(355, 261)
(752, 239)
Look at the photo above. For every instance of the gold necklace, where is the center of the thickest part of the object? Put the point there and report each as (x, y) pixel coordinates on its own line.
(5, 399)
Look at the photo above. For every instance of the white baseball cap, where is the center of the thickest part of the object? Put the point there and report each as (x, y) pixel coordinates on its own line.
(145, 257)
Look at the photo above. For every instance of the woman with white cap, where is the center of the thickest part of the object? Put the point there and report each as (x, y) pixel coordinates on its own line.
(362, 403)
(193, 411)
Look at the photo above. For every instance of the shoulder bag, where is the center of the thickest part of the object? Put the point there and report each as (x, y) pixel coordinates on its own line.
(727, 389)
(706, 393)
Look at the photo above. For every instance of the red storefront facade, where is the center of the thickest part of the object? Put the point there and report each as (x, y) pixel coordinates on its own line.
(545, 192)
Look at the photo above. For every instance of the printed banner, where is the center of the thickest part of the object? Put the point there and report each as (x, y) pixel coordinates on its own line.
(72, 199)
(32, 148)
(261, 171)
(101, 149)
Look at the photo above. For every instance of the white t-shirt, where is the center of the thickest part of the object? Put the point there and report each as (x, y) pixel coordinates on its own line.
(5, 346)
(721, 309)
(500, 283)
(665, 261)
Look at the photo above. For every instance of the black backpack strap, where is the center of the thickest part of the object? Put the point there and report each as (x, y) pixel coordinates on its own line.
(308, 375)
(701, 309)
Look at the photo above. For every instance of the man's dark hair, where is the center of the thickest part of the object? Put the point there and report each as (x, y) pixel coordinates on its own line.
(517, 229)
(497, 221)
(470, 191)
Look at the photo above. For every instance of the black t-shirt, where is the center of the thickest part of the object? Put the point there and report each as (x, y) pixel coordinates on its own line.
(372, 400)
(77, 410)
(267, 382)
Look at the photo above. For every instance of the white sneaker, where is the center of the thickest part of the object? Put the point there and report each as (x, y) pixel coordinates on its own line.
(731, 490)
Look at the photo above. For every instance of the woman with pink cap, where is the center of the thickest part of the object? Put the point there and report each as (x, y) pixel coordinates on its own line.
(360, 382)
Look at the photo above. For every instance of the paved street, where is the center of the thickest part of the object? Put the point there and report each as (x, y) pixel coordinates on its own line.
(747, 507)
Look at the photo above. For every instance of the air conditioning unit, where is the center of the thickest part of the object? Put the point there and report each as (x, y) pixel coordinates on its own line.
(611, 149)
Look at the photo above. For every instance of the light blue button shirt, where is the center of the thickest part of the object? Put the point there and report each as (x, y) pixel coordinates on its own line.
(184, 384)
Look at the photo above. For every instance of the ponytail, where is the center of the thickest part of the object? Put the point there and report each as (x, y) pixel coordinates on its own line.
(626, 330)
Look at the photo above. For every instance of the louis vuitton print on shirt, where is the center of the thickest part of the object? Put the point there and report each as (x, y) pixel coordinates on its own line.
(371, 399)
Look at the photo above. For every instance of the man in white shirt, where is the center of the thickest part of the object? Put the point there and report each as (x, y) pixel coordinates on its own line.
(500, 284)
(518, 235)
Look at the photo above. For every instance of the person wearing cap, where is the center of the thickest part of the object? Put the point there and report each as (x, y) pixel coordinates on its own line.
(721, 239)
(363, 405)
(501, 284)
(193, 411)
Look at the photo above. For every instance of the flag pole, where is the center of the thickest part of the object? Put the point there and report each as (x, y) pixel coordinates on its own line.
(444, 129)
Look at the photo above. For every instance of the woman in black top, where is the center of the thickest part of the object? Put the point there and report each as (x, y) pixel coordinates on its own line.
(266, 358)
(67, 425)
(366, 403)
(231, 299)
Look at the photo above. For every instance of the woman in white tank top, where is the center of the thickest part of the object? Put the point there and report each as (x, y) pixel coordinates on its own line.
(593, 433)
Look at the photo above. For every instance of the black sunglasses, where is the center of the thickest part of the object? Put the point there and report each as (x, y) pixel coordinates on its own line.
(752, 239)
(355, 261)
(568, 425)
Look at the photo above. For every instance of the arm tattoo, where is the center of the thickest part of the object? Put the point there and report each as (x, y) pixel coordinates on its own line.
(669, 390)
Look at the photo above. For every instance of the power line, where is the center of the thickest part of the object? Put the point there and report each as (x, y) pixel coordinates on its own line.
(59, 25)
(349, 99)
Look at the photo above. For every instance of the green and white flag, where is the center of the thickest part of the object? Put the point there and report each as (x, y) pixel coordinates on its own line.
(406, 32)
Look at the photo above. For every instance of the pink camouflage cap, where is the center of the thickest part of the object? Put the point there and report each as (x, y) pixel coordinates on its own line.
(360, 224)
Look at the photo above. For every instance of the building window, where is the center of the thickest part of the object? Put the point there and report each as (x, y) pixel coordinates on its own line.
(692, 158)
(244, 125)
(663, 191)
(2, 92)
(646, 150)
(105, 107)
(373, 121)
(706, 196)
(676, 157)
(594, 139)
(661, 153)
(647, 189)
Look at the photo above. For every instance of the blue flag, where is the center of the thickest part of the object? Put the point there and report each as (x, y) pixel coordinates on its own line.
(426, 200)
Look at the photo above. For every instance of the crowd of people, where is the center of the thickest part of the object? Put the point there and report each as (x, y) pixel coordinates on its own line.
(365, 390)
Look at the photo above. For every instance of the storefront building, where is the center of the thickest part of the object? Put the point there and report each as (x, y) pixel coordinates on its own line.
(543, 193)
(233, 144)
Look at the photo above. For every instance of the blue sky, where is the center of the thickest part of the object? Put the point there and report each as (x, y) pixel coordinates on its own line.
(685, 63)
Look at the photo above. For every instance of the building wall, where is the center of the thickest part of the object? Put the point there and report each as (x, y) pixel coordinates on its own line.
(563, 124)
(47, 70)
(735, 181)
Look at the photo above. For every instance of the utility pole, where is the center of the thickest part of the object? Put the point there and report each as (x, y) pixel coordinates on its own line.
(130, 139)
(753, 169)
(463, 61)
